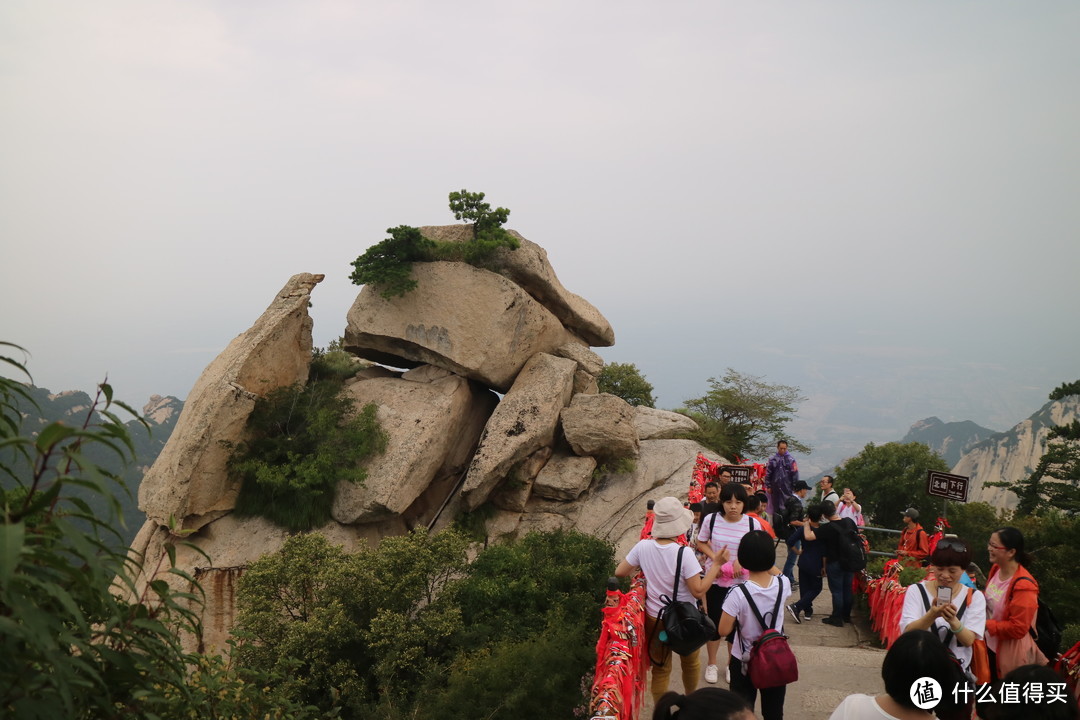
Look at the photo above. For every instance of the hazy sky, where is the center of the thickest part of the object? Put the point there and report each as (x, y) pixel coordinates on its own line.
(878, 202)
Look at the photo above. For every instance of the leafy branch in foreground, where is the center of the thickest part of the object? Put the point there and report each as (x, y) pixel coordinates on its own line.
(388, 264)
(79, 638)
(70, 646)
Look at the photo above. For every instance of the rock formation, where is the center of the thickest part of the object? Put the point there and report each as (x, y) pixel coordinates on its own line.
(188, 479)
(1012, 455)
(537, 458)
(161, 410)
(949, 440)
(450, 321)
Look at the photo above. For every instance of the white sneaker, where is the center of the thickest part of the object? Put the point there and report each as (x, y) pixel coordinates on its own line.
(727, 675)
(712, 674)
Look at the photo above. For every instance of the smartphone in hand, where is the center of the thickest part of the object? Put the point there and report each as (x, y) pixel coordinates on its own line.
(944, 595)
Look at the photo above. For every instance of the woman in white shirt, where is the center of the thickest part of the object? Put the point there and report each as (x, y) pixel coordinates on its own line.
(936, 604)
(915, 655)
(721, 532)
(657, 558)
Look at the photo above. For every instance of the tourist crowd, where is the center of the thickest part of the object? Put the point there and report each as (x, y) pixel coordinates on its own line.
(720, 553)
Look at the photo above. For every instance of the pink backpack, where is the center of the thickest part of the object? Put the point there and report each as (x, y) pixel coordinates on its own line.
(772, 662)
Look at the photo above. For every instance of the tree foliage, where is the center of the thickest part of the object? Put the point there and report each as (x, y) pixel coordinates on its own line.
(334, 363)
(626, 381)
(744, 416)
(305, 439)
(411, 630)
(1055, 481)
(890, 478)
(388, 264)
(364, 627)
(1065, 389)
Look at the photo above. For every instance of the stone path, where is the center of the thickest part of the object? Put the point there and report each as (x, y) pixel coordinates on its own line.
(833, 662)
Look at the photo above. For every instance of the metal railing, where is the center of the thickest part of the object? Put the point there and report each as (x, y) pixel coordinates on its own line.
(882, 553)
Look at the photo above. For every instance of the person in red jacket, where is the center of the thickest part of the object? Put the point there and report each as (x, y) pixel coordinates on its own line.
(914, 544)
(1012, 604)
(754, 504)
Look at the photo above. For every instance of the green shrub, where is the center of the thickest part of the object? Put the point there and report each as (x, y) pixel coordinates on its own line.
(219, 690)
(624, 380)
(333, 363)
(473, 524)
(303, 443)
(1070, 635)
(567, 572)
(299, 616)
(911, 575)
(533, 677)
(364, 627)
(409, 630)
(388, 264)
(620, 466)
(875, 565)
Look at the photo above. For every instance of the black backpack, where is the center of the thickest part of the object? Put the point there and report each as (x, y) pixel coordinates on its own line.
(682, 626)
(791, 510)
(852, 552)
(1047, 631)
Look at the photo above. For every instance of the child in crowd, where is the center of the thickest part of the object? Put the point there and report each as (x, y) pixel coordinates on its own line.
(704, 704)
(757, 553)
(754, 504)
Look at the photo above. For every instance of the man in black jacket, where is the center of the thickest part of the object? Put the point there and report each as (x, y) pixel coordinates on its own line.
(832, 534)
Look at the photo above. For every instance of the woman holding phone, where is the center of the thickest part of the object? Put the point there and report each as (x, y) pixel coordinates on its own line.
(944, 605)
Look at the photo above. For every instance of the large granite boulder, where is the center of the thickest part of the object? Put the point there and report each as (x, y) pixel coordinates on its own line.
(614, 506)
(431, 423)
(472, 322)
(586, 359)
(188, 480)
(653, 424)
(528, 266)
(601, 426)
(514, 493)
(564, 477)
(524, 422)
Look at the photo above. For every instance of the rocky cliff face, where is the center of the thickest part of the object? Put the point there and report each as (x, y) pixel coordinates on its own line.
(949, 440)
(526, 461)
(1013, 455)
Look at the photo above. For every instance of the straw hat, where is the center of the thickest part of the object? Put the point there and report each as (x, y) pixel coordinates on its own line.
(671, 519)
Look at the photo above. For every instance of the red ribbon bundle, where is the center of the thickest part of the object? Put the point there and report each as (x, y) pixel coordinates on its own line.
(705, 471)
(886, 598)
(622, 658)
